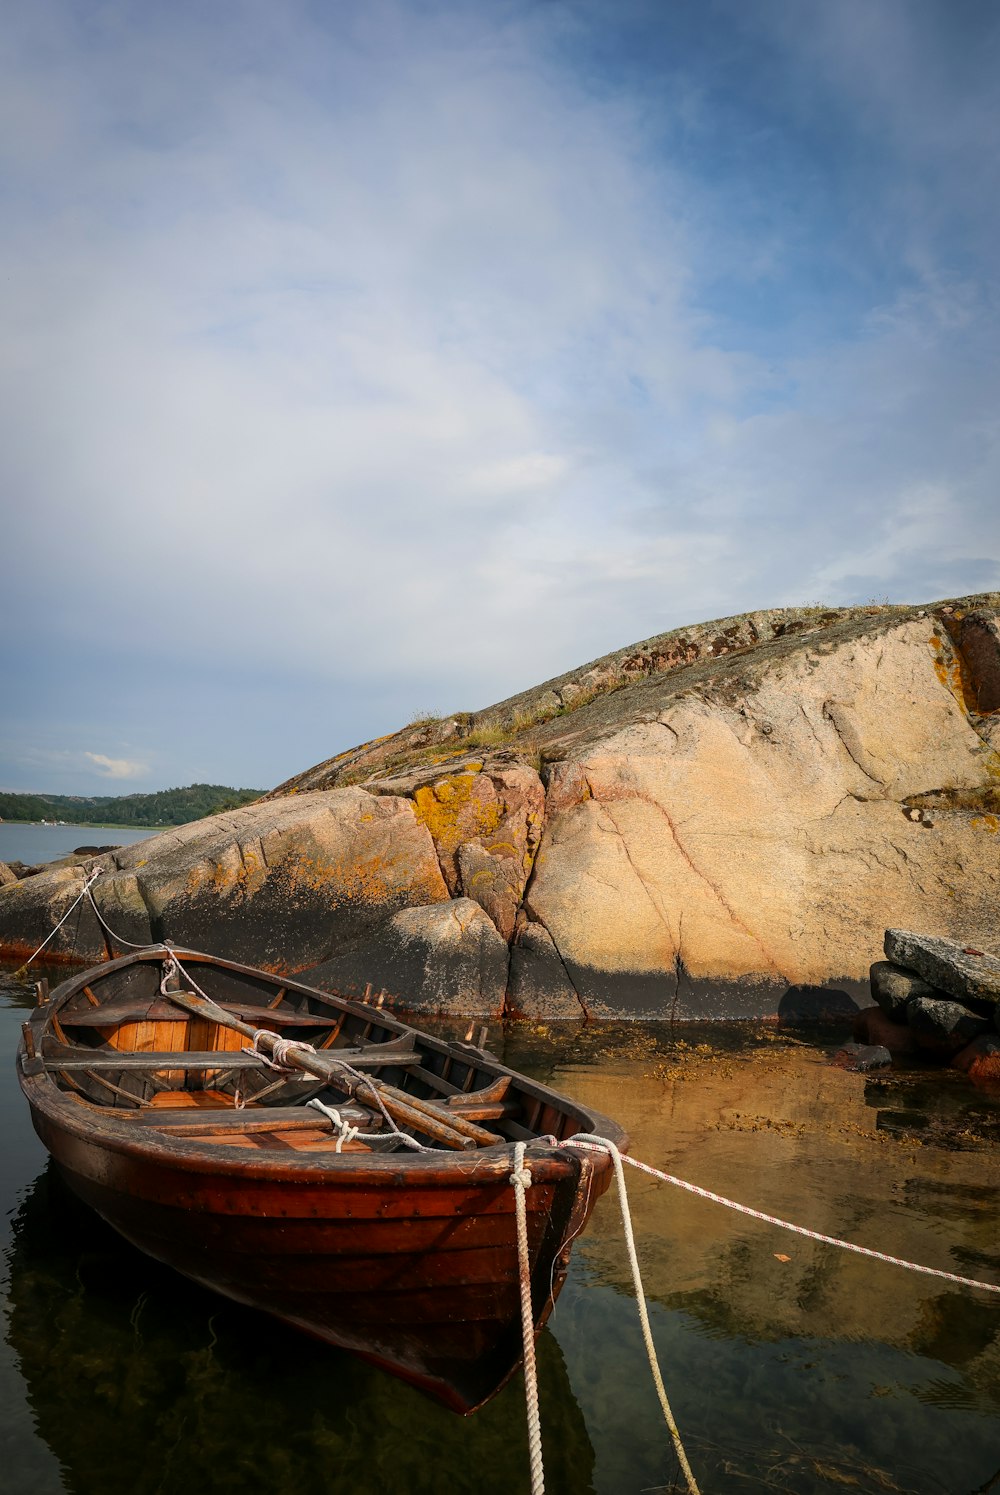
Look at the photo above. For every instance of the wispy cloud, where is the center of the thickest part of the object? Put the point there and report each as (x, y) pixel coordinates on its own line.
(445, 347)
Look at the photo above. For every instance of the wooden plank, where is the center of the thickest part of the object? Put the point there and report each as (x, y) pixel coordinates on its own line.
(407, 1110)
(251, 1118)
(488, 1094)
(191, 1099)
(71, 1057)
(128, 1095)
(158, 1010)
(312, 1141)
(500, 1110)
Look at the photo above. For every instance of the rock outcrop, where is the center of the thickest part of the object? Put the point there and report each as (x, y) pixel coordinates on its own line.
(282, 884)
(427, 955)
(688, 827)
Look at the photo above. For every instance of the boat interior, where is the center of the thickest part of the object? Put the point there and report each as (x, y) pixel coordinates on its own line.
(119, 1043)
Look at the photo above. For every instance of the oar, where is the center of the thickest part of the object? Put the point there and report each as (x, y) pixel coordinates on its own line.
(409, 1110)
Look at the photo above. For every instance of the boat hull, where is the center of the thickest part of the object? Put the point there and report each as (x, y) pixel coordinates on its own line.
(414, 1266)
(404, 1252)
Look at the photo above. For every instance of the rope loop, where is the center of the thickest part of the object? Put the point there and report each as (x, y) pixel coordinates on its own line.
(346, 1132)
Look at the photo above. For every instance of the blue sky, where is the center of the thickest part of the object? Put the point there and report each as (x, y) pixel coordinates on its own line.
(366, 360)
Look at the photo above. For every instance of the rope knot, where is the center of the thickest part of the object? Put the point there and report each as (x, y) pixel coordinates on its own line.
(346, 1132)
(275, 1051)
(521, 1176)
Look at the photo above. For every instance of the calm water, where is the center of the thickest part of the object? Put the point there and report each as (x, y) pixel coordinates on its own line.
(44, 843)
(820, 1373)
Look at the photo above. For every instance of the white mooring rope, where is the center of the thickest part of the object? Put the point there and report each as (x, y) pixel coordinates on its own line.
(346, 1132)
(83, 893)
(104, 923)
(521, 1180)
(602, 1144)
(598, 1143)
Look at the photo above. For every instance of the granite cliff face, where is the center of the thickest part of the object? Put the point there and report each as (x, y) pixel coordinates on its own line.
(748, 802)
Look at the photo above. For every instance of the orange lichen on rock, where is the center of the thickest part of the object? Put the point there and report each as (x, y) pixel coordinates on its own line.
(952, 671)
(362, 879)
(463, 807)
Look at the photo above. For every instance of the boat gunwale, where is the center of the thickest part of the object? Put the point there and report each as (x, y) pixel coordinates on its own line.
(112, 1129)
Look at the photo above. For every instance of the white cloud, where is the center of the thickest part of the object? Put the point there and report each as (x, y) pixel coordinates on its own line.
(117, 768)
(534, 470)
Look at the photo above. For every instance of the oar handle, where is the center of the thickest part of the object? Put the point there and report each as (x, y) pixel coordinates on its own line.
(478, 1134)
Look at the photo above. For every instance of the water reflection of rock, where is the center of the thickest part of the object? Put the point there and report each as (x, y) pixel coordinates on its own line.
(140, 1381)
(781, 1131)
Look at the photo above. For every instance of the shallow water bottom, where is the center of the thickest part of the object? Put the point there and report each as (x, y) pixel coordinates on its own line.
(791, 1366)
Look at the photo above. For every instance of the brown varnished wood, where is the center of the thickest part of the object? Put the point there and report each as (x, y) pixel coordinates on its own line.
(408, 1110)
(165, 1012)
(69, 1056)
(189, 1100)
(405, 1258)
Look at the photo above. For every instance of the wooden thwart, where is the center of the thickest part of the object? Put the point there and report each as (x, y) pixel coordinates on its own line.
(250, 1119)
(160, 1011)
(406, 1110)
(399, 1053)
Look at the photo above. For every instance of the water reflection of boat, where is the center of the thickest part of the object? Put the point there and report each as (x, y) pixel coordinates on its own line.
(139, 1381)
(398, 1243)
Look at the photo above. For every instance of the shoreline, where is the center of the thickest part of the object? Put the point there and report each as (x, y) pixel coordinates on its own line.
(91, 825)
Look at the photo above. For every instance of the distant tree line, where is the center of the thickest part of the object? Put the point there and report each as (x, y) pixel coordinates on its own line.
(166, 807)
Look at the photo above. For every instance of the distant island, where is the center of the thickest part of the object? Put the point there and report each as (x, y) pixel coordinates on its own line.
(166, 807)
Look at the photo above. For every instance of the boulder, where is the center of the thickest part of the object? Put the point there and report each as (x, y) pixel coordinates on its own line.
(722, 817)
(981, 1058)
(893, 988)
(873, 1026)
(942, 1028)
(964, 970)
(281, 884)
(6, 874)
(446, 958)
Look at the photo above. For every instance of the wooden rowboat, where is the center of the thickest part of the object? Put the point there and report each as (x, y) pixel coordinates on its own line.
(380, 1220)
